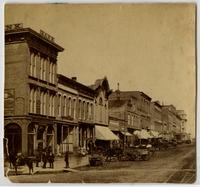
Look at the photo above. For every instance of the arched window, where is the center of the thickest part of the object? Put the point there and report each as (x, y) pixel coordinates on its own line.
(69, 106)
(41, 67)
(79, 109)
(34, 65)
(31, 63)
(34, 101)
(50, 71)
(59, 105)
(101, 108)
(44, 103)
(31, 100)
(44, 69)
(53, 105)
(41, 102)
(64, 106)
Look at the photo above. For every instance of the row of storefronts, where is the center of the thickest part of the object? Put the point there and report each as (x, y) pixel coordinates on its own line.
(44, 109)
(133, 114)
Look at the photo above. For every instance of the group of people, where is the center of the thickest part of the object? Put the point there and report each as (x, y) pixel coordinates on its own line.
(44, 156)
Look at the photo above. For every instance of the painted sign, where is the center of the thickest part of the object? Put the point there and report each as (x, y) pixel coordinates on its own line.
(9, 102)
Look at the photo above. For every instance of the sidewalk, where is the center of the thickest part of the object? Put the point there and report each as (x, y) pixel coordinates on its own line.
(59, 167)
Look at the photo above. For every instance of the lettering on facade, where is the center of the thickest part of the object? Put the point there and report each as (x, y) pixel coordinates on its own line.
(9, 102)
(16, 26)
(47, 36)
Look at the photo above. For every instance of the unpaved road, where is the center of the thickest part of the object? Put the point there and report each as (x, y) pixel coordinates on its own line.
(171, 166)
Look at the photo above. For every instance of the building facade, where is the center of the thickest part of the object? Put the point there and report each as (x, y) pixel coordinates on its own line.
(45, 109)
(30, 89)
(156, 117)
(172, 119)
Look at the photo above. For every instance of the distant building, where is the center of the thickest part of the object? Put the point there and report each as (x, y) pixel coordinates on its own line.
(183, 117)
(156, 117)
(131, 109)
(172, 119)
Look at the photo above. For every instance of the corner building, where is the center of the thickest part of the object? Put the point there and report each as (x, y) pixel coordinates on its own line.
(30, 89)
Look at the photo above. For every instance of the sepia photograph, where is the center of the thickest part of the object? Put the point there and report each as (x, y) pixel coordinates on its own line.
(100, 93)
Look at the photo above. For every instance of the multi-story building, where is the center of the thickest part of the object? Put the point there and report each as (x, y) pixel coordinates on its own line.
(44, 109)
(30, 89)
(130, 111)
(183, 117)
(103, 134)
(172, 119)
(156, 117)
(143, 107)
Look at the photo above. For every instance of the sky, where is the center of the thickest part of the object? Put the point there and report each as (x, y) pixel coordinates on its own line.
(144, 47)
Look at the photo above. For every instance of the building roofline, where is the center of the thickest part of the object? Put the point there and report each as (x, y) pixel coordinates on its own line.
(73, 82)
(36, 34)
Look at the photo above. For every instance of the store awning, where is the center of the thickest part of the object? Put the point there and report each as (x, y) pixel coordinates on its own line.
(104, 133)
(143, 134)
(126, 133)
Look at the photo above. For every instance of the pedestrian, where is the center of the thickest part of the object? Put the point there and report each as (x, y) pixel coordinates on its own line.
(29, 163)
(67, 159)
(51, 159)
(13, 161)
(44, 159)
(38, 158)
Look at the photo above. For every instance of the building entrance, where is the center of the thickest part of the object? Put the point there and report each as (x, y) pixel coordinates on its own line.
(13, 133)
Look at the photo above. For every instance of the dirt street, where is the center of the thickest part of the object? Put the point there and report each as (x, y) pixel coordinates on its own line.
(170, 166)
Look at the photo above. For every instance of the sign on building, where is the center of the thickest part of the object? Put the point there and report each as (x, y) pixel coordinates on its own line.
(9, 102)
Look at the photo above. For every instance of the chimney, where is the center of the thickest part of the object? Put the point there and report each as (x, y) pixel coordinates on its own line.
(74, 78)
(118, 92)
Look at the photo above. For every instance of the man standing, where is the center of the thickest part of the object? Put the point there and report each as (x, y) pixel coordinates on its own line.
(67, 159)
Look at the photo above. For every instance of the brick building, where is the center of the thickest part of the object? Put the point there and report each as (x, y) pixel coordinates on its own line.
(44, 109)
(30, 89)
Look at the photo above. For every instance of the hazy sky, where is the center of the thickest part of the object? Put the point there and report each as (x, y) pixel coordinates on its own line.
(145, 47)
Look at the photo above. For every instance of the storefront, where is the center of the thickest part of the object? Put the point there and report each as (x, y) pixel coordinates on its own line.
(104, 136)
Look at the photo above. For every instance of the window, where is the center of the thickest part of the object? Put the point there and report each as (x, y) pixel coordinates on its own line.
(41, 102)
(53, 106)
(50, 71)
(50, 101)
(79, 109)
(92, 111)
(53, 73)
(132, 119)
(129, 119)
(44, 103)
(69, 106)
(101, 108)
(83, 110)
(31, 64)
(59, 105)
(34, 65)
(89, 111)
(86, 110)
(74, 108)
(31, 100)
(41, 68)
(64, 106)
(44, 69)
